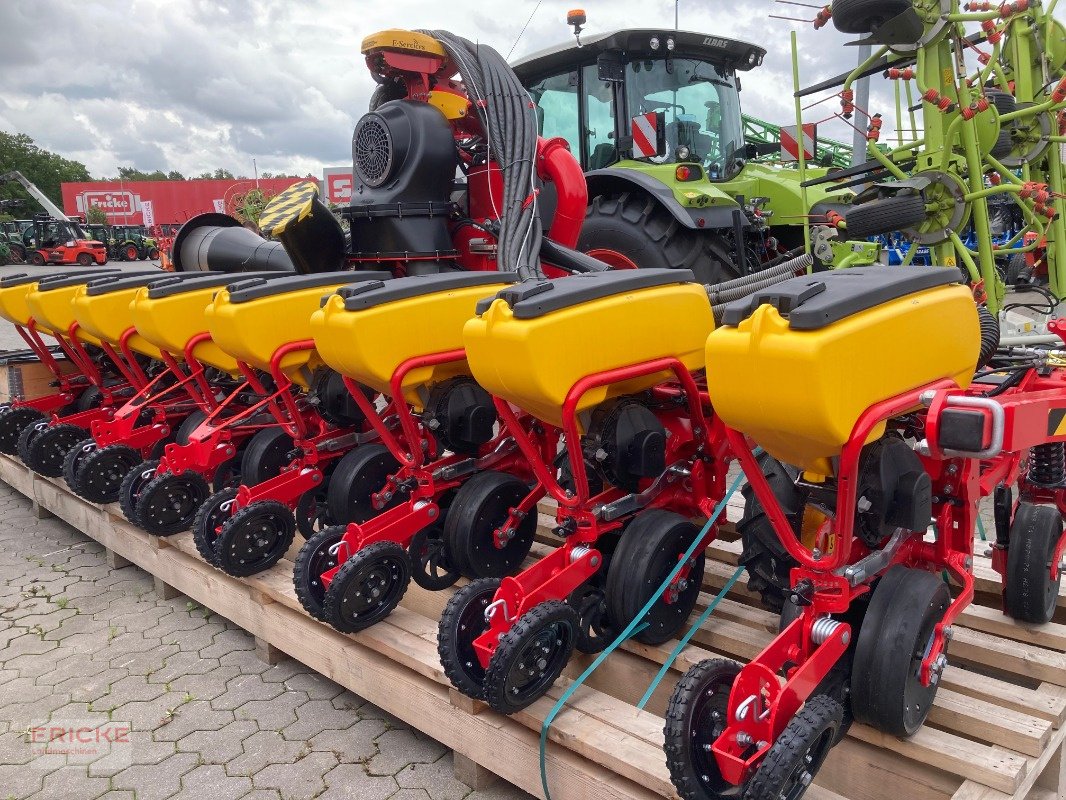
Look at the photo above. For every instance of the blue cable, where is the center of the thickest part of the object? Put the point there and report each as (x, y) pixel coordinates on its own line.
(635, 627)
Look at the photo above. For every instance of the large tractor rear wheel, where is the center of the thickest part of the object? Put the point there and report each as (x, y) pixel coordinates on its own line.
(632, 229)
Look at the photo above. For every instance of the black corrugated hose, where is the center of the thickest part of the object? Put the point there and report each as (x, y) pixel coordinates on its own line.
(506, 112)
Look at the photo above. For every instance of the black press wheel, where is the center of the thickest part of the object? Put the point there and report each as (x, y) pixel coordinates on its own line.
(47, 447)
(799, 752)
(12, 422)
(886, 689)
(482, 505)
(863, 16)
(130, 488)
(208, 522)
(74, 458)
(255, 538)
(595, 630)
(167, 503)
(633, 228)
(649, 550)
(98, 476)
(319, 554)
(187, 426)
(357, 477)
(530, 656)
(312, 513)
(265, 456)
(1030, 595)
(432, 564)
(698, 713)
(461, 623)
(885, 215)
(367, 587)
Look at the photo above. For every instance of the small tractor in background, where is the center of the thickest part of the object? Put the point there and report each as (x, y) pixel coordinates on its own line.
(12, 249)
(654, 118)
(132, 242)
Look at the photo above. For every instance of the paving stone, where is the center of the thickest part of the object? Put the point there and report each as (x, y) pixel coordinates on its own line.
(354, 745)
(351, 781)
(133, 688)
(262, 749)
(316, 716)
(20, 781)
(437, 779)
(273, 715)
(156, 781)
(243, 689)
(218, 747)
(228, 641)
(402, 746)
(69, 782)
(315, 686)
(196, 715)
(209, 780)
(300, 781)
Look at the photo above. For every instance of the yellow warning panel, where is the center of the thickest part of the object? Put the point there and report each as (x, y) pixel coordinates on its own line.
(295, 203)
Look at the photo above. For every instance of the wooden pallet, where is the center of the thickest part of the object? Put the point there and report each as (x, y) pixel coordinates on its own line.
(996, 730)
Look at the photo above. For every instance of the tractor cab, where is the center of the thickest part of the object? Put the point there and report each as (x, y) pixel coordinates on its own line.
(590, 94)
(655, 115)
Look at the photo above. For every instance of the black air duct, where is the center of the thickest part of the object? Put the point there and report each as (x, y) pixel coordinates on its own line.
(218, 242)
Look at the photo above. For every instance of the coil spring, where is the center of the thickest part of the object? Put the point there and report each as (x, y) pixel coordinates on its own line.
(823, 628)
(1047, 464)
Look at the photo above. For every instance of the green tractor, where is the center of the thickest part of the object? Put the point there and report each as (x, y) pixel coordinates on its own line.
(131, 242)
(654, 118)
(12, 248)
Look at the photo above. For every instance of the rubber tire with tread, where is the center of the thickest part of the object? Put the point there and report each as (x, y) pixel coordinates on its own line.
(194, 480)
(637, 225)
(118, 452)
(465, 675)
(500, 665)
(12, 423)
(905, 606)
(647, 553)
(335, 596)
(885, 215)
(131, 486)
(305, 570)
(820, 717)
(206, 523)
(679, 729)
(47, 450)
(227, 561)
(1029, 594)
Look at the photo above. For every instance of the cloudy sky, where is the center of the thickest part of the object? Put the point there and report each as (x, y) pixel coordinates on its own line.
(193, 85)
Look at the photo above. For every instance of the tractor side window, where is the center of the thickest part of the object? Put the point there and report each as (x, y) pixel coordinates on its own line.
(556, 99)
(599, 119)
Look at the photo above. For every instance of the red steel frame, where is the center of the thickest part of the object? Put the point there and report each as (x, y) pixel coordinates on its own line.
(760, 705)
(696, 440)
(420, 465)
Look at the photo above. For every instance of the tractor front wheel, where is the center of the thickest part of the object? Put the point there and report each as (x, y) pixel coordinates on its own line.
(633, 229)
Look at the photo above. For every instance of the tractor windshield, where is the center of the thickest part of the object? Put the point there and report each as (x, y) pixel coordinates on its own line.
(702, 108)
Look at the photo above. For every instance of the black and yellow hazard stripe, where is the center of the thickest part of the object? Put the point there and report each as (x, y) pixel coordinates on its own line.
(293, 204)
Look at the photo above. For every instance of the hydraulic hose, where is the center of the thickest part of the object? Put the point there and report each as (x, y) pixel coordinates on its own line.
(741, 287)
(506, 113)
(989, 336)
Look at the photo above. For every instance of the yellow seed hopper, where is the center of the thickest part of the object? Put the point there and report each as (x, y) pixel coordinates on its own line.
(51, 304)
(252, 319)
(14, 289)
(170, 313)
(533, 342)
(103, 308)
(795, 365)
(368, 329)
